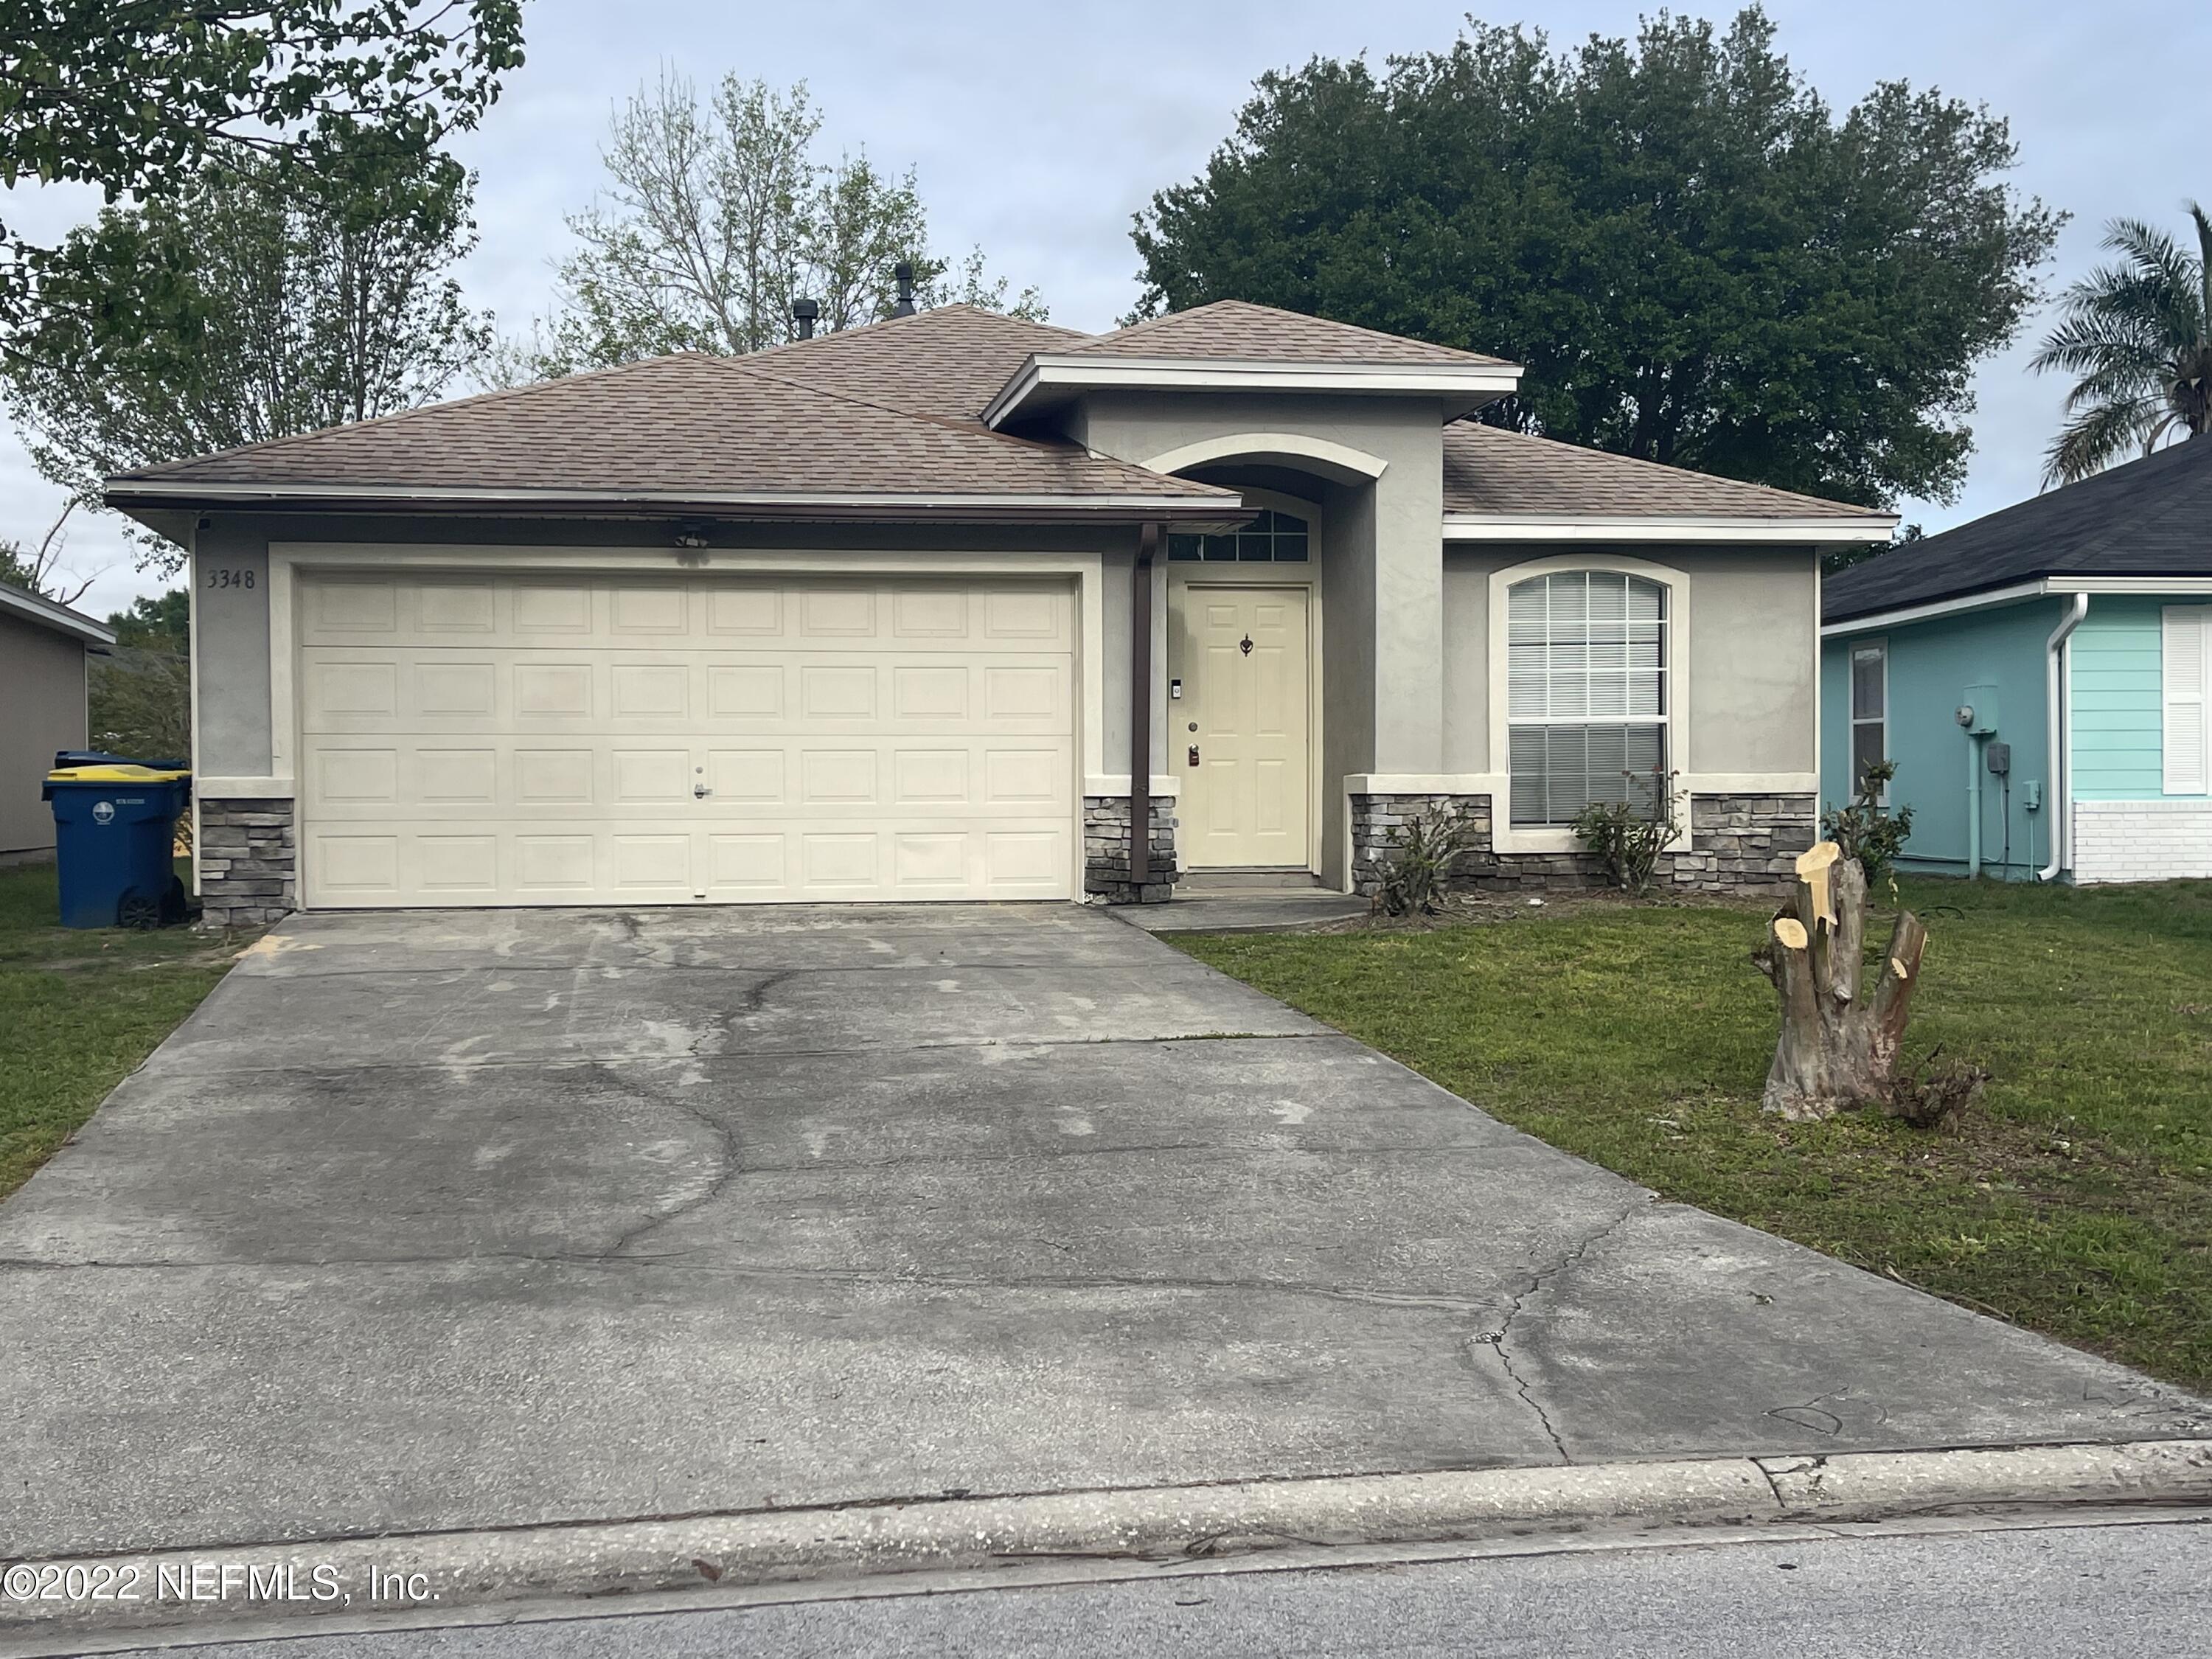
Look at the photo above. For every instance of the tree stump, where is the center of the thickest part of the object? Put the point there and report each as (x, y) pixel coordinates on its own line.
(1837, 1047)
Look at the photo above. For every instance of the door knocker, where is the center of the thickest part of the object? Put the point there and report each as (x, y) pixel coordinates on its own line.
(1245, 645)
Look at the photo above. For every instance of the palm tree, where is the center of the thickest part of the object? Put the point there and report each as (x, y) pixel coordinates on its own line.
(2138, 337)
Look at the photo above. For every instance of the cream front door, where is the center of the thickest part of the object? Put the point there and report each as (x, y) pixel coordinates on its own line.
(1240, 729)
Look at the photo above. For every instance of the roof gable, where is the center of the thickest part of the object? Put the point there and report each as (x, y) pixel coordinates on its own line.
(1238, 330)
(2151, 517)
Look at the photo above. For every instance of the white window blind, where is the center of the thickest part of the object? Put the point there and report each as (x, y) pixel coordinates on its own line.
(2186, 654)
(1586, 691)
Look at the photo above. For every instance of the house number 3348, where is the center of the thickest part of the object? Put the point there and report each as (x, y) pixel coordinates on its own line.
(220, 578)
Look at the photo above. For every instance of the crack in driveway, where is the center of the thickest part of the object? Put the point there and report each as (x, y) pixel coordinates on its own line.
(1065, 1283)
(1540, 1280)
(579, 1062)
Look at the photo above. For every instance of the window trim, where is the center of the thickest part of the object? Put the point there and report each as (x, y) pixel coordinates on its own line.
(1680, 692)
(1851, 720)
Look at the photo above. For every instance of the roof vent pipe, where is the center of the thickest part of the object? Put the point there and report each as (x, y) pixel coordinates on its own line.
(803, 313)
(902, 272)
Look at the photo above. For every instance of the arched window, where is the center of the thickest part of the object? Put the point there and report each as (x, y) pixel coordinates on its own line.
(1586, 691)
(1273, 538)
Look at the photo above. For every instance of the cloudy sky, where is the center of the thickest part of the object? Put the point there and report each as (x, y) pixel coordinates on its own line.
(1037, 130)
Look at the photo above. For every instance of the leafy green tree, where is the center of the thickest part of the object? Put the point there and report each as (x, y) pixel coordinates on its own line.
(265, 299)
(715, 217)
(139, 703)
(140, 693)
(1696, 259)
(137, 97)
(1842, 558)
(160, 621)
(2138, 336)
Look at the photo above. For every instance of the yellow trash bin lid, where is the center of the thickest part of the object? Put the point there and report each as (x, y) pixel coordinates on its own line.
(124, 773)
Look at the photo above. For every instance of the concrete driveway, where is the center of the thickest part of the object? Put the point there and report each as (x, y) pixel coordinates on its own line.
(443, 1221)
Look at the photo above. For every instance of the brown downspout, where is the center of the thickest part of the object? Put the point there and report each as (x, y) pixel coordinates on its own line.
(1140, 716)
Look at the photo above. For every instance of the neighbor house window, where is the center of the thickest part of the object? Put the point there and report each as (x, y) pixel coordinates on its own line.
(1271, 539)
(1586, 693)
(1869, 710)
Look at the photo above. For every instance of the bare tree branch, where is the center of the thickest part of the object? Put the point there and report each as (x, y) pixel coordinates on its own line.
(714, 218)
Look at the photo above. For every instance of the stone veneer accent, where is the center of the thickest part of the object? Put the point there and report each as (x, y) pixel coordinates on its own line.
(1106, 851)
(248, 863)
(1739, 844)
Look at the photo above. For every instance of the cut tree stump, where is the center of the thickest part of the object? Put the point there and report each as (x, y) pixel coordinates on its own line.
(1837, 1047)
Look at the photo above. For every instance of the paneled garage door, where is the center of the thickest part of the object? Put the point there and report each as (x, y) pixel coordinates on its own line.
(470, 740)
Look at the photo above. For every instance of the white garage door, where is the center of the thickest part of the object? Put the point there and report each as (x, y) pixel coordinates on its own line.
(470, 740)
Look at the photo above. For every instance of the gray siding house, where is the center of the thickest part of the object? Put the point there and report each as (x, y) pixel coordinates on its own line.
(940, 607)
(42, 647)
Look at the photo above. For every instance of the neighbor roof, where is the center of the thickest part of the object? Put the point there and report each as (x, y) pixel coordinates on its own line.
(1489, 471)
(703, 432)
(37, 609)
(2151, 517)
(1238, 330)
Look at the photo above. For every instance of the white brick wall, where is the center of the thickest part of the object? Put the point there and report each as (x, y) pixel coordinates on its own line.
(2142, 840)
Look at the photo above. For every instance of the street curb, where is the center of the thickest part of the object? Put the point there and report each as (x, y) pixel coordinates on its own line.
(483, 1570)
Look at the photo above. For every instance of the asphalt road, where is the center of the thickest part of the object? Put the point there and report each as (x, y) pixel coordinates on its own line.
(2136, 1591)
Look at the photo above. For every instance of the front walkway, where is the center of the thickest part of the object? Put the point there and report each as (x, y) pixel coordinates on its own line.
(464, 1220)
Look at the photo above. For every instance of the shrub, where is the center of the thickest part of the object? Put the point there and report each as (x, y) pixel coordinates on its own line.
(1937, 1092)
(1629, 837)
(1418, 860)
(1866, 830)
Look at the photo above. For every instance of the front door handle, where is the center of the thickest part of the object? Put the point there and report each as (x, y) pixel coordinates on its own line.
(1194, 754)
(700, 792)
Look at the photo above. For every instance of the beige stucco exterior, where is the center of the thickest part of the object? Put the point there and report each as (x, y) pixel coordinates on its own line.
(42, 687)
(241, 707)
(1753, 623)
(1406, 662)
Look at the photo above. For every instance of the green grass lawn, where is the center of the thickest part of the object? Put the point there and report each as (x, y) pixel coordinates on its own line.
(79, 1009)
(2077, 1199)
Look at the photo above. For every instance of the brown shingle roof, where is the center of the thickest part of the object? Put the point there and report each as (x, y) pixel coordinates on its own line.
(893, 409)
(1236, 329)
(1490, 470)
(692, 425)
(950, 359)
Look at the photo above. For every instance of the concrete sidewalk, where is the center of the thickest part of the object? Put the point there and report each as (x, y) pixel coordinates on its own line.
(486, 1220)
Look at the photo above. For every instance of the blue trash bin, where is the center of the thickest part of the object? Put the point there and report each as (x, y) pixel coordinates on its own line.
(115, 831)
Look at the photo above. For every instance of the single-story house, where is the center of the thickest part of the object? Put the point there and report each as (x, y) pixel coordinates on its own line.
(2041, 677)
(851, 619)
(42, 690)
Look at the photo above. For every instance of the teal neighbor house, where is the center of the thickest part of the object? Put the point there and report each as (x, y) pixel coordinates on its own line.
(2042, 679)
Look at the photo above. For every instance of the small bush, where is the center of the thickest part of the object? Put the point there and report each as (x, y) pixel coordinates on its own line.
(1866, 830)
(1936, 1093)
(1629, 837)
(1417, 862)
